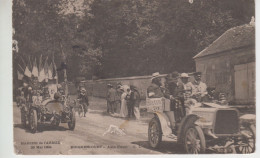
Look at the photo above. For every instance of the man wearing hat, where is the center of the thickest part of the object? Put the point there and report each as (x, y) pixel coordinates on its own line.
(118, 98)
(83, 99)
(134, 102)
(185, 91)
(111, 99)
(200, 88)
(154, 90)
(186, 88)
(171, 84)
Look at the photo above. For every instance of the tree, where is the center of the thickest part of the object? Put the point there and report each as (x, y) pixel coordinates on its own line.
(115, 38)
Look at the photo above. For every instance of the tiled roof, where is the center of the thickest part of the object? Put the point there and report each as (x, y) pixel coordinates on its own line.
(235, 37)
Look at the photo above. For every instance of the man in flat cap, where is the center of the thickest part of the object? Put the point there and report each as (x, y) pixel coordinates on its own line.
(200, 88)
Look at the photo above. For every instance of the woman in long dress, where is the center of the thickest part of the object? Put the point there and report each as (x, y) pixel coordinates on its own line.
(123, 110)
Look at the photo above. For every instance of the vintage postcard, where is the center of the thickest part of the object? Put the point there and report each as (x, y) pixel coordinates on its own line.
(125, 77)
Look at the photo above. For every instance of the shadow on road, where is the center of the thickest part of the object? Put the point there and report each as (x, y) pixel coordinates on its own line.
(42, 128)
(20, 126)
(165, 147)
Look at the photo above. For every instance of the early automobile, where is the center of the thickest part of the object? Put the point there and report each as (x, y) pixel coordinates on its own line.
(53, 111)
(206, 126)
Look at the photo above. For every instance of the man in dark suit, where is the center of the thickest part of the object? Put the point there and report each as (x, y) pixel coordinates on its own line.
(118, 99)
(135, 100)
(111, 98)
(172, 84)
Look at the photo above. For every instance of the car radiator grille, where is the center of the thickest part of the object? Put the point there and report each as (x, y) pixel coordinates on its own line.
(226, 122)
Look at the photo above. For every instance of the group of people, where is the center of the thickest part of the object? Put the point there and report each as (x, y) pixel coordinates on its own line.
(181, 89)
(123, 101)
(34, 92)
(181, 92)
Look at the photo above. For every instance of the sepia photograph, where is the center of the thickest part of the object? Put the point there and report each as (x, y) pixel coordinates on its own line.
(128, 77)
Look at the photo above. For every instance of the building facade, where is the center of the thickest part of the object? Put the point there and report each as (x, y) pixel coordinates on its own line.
(229, 64)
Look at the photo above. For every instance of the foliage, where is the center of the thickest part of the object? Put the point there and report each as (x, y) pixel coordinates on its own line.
(115, 38)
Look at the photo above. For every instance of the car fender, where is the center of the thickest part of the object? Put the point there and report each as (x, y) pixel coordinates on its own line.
(165, 123)
(186, 122)
(247, 119)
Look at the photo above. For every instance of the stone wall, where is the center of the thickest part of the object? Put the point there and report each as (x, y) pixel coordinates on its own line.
(98, 88)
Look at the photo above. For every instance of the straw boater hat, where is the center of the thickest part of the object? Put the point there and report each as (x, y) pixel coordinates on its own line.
(184, 75)
(155, 75)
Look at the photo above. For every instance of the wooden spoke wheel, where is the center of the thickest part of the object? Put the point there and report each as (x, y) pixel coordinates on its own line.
(194, 140)
(154, 133)
(33, 120)
(246, 145)
(23, 118)
(72, 121)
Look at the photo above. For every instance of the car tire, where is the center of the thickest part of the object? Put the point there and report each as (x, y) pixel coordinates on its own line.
(194, 140)
(33, 120)
(154, 133)
(247, 148)
(57, 123)
(72, 121)
(23, 118)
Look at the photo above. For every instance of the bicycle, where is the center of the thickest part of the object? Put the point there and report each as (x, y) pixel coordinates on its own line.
(79, 108)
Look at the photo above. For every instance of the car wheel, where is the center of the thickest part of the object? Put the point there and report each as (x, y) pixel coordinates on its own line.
(23, 118)
(246, 145)
(33, 120)
(72, 121)
(194, 140)
(57, 123)
(154, 132)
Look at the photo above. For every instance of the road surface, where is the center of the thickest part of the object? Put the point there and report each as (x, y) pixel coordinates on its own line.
(87, 138)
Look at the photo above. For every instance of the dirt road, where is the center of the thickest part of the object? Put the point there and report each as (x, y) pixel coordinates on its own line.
(87, 138)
